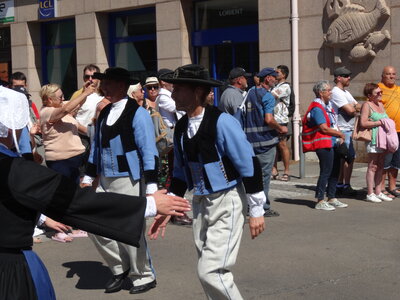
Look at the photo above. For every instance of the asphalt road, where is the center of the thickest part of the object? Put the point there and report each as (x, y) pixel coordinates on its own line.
(350, 253)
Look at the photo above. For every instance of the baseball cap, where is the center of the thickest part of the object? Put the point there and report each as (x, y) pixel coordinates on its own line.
(267, 71)
(341, 71)
(237, 72)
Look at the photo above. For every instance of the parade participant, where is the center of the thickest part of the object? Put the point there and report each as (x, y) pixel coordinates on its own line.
(28, 189)
(124, 156)
(214, 159)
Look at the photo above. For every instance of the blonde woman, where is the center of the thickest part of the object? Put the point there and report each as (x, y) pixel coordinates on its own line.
(63, 148)
(62, 145)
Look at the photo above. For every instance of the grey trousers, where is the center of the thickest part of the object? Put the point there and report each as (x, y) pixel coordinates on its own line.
(119, 256)
(218, 221)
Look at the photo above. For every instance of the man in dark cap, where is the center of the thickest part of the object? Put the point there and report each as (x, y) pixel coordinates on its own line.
(215, 160)
(233, 95)
(124, 154)
(346, 107)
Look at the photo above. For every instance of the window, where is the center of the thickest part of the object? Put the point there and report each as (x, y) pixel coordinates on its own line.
(133, 43)
(5, 53)
(59, 55)
(222, 13)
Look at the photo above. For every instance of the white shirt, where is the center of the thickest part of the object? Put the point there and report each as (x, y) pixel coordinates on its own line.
(282, 92)
(87, 111)
(167, 109)
(340, 98)
(256, 200)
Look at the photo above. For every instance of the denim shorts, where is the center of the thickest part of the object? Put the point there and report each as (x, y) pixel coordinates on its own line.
(349, 143)
(392, 160)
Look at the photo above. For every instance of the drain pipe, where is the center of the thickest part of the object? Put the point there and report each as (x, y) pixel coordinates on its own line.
(295, 77)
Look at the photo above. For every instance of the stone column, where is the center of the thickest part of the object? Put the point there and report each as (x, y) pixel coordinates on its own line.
(25, 55)
(91, 42)
(173, 33)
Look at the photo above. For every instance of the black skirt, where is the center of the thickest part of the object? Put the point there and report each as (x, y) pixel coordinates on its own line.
(15, 278)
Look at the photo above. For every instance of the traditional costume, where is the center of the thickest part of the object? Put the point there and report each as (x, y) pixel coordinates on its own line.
(28, 189)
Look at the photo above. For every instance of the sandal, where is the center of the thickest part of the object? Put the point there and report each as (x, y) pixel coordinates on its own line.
(62, 237)
(37, 240)
(285, 177)
(78, 233)
(394, 192)
(388, 194)
(274, 176)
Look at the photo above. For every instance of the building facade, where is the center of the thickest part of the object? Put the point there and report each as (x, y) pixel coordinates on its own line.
(52, 40)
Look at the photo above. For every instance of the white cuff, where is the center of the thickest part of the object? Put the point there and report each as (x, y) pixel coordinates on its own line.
(87, 179)
(151, 188)
(151, 208)
(41, 220)
(256, 202)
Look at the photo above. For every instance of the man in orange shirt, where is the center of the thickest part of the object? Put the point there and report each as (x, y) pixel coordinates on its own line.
(391, 102)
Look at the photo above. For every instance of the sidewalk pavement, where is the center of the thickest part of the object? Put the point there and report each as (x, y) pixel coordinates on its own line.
(350, 253)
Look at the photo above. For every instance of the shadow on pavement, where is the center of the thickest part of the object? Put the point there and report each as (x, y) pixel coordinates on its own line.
(92, 275)
(309, 203)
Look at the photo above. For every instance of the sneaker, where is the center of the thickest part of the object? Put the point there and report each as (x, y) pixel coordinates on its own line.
(271, 213)
(384, 197)
(323, 205)
(373, 198)
(348, 191)
(336, 203)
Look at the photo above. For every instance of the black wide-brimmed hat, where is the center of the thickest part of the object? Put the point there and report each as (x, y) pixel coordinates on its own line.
(117, 74)
(191, 74)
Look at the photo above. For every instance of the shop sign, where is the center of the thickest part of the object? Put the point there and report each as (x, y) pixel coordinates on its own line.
(7, 11)
(230, 12)
(47, 9)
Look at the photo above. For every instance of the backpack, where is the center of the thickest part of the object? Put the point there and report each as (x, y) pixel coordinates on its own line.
(164, 135)
(240, 113)
(292, 104)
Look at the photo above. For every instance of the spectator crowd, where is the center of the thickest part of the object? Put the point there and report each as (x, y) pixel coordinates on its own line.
(133, 136)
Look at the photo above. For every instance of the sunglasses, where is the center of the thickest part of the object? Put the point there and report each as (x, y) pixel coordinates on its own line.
(87, 77)
(345, 76)
(151, 87)
(378, 93)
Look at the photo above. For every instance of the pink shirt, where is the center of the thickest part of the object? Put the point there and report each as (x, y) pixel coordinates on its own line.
(60, 139)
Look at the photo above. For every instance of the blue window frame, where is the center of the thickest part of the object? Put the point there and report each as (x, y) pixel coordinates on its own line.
(59, 55)
(133, 41)
(219, 43)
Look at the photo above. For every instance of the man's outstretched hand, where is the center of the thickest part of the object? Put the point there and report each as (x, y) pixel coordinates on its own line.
(167, 205)
(170, 205)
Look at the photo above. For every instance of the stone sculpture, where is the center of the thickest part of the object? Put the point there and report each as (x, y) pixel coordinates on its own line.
(353, 28)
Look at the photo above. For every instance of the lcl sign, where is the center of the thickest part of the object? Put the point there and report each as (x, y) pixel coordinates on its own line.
(47, 9)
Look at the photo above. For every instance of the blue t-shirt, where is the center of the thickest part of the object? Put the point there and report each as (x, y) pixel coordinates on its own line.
(317, 117)
(268, 103)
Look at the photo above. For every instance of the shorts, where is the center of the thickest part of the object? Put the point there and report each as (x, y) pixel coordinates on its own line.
(392, 160)
(373, 148)
(286, 136)
(349, 143)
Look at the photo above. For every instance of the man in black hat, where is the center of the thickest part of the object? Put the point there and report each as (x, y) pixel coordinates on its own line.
(215, 160)
(346, 107)
(167, 109)
(123, 154)
(233, 95)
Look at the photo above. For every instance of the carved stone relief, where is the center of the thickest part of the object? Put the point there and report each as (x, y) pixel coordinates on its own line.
(353, 27)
